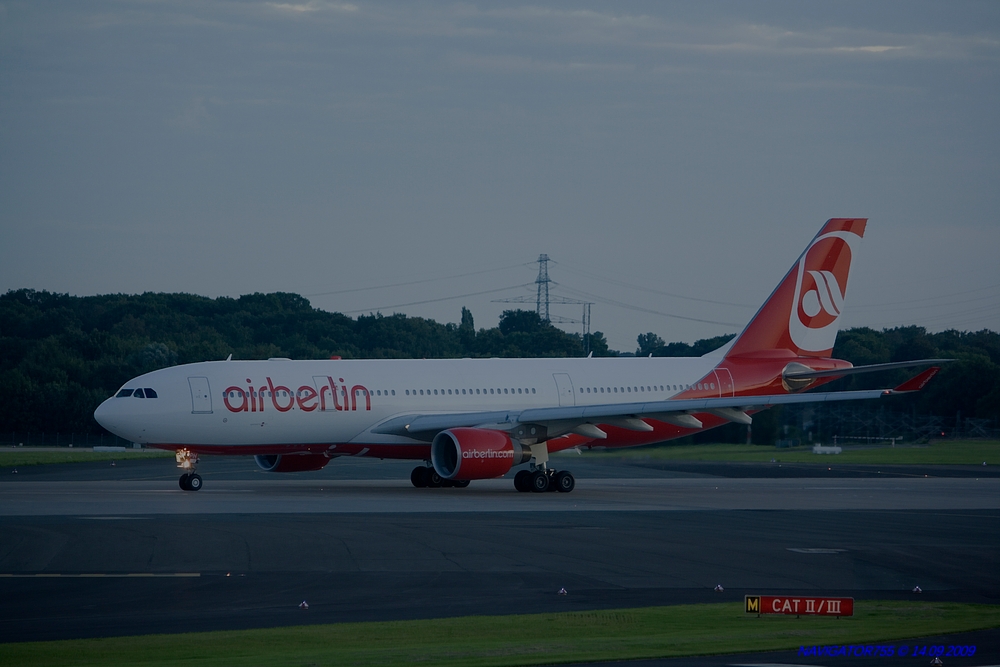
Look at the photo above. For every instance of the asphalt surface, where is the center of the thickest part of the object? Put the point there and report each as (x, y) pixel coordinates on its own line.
(92, 550)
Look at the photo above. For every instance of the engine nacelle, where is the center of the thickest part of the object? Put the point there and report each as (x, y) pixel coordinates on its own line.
(291, 462)
(475, 453)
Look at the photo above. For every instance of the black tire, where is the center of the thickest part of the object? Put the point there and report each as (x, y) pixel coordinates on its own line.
(564, 482)
(183, 482)
(460, 483)
(521, 482)
(434, 480)
(418, 477)
(194, 482)
(539, 481)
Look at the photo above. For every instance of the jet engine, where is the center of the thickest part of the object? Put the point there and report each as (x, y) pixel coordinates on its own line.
(475, 453)
(291, 462)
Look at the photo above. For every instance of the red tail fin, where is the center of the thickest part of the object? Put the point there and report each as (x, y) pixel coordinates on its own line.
(801, 314)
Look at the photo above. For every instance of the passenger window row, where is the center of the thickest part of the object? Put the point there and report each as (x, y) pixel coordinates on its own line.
(621, 390)
(502, 391)
(467, 392)
(642, 389)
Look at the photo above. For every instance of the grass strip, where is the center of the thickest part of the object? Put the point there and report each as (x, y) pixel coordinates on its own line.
(942, 452)
(23, 457)
(649, 632)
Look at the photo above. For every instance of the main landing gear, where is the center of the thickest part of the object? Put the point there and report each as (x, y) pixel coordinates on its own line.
(426, 476)
(187, 460)
(544, 479)
(539, 478)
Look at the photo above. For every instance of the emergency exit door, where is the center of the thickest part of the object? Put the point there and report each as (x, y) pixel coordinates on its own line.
(564, 385)
(201, 395)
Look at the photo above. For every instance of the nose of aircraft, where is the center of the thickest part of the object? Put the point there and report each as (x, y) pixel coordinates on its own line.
(104, 415)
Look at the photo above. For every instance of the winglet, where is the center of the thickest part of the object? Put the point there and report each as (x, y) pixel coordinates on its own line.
(917, 382)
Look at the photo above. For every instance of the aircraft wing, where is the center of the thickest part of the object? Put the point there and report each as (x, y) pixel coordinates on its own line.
(629, 415)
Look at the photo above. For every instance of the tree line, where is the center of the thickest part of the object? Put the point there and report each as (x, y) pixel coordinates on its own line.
(61, 355)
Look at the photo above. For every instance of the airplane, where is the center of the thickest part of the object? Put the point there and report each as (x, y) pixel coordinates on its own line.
(472, 419)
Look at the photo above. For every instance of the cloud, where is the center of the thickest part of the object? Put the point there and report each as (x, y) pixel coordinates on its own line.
(192, 116)
(512, 63)
(312, 6)
(869, 49)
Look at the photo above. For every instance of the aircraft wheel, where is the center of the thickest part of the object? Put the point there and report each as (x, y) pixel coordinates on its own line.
(539, 481)
(460, 483)
(564, 481)
(434, 480)
(418, 477)
(521, 481)
(183, 482)
(194, 482)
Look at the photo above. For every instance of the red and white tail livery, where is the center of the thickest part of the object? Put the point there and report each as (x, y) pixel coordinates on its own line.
(802, 313)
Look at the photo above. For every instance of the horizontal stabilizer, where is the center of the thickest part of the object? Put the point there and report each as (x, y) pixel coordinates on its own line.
(855, 370)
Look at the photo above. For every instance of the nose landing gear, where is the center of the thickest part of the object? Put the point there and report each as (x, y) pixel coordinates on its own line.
(187, 460)
(190, 481)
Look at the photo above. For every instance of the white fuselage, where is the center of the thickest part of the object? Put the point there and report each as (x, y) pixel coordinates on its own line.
(254, 404)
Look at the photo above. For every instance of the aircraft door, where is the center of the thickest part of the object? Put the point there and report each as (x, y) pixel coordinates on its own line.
(564, 385)
(724, 380)
(201, 395)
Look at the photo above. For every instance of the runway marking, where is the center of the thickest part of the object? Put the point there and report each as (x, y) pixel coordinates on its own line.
(101, 575)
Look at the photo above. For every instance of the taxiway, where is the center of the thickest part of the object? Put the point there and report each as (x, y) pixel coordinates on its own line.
(91, 550)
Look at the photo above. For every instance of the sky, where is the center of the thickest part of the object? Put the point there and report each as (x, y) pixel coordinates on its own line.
(672, 159)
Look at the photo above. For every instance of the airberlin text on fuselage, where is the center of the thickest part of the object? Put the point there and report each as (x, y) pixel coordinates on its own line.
(330, 396)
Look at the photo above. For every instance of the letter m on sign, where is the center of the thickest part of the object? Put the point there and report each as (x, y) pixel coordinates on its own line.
(753, 604)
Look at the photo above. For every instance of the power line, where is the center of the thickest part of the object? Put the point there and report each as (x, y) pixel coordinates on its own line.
(941, 305)
(444, 298)
(650, 289)
(979, 312)
(622, 304)
(418, 282)
(927, 298)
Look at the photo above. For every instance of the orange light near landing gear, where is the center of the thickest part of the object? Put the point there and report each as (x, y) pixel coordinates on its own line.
(186, 459)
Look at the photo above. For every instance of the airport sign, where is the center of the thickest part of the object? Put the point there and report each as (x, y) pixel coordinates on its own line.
(799, 606)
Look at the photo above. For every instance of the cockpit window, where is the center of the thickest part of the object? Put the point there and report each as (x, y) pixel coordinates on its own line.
(123, 393)
(150, 393)
(138, 393)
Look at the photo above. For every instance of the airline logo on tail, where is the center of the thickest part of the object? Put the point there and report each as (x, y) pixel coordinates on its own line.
(820, 289)
(803, 313)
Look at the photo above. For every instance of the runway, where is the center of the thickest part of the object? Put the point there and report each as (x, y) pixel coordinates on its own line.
(358, 543)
